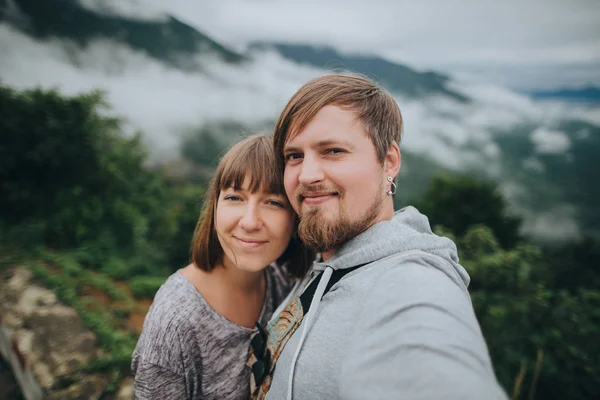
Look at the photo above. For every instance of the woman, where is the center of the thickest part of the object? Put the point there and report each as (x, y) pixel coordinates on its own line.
(195, 339)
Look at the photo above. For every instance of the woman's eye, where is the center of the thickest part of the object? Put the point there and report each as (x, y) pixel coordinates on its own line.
(232, 198)
(276, 203)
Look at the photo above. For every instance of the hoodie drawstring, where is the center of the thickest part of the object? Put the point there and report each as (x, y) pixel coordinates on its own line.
(308, 321)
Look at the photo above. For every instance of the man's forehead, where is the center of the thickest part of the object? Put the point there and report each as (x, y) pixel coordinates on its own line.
(299, 124)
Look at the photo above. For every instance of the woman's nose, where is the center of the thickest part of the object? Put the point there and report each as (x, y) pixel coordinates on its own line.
(251, 221)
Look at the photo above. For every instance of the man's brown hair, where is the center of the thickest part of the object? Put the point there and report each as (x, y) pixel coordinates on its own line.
(375, 108)
(252, 158)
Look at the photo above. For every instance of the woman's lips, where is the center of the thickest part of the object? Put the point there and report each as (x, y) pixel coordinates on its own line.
(249, 243)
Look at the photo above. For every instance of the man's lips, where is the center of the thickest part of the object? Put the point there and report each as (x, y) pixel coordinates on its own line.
(312, 199)
(249, 243)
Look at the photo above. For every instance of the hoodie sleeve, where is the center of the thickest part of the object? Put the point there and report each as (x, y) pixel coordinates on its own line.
(418, 338)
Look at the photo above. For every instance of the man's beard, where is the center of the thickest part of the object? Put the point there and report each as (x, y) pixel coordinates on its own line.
(321, 234)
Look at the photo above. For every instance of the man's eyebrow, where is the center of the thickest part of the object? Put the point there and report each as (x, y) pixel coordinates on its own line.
(332, 142)
(291, 149)
(322, 143)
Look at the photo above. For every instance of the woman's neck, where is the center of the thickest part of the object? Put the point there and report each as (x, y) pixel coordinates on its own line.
(235, 294)
(238, 280)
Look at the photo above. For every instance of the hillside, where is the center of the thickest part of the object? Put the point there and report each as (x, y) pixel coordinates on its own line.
(590, 94)
(66, 331)
(166, 39)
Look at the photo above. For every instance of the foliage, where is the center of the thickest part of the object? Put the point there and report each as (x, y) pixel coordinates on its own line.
(81, 205)
(576, 265)
(459, 202)
(541, 337)
(70, 179)
(185, 206)
(146, 286)
(69, 280)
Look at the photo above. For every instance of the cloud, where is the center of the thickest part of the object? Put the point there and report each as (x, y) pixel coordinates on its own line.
(159, 100)
(134, 9)
(454, 36)
(556, 224)
(549, 141)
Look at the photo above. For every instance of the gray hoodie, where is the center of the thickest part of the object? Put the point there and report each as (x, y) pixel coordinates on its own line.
(400, 327)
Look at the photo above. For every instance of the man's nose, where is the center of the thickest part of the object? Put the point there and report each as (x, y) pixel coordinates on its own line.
(311, 172)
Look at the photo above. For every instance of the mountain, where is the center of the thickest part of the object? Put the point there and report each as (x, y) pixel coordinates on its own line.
(173, 81)
(177, 44)
(396, 77)
(589, 94)
(166, 39)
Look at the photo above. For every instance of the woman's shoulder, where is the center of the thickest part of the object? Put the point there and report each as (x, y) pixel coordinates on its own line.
(170, 318)
(281, 283)
(173, 305)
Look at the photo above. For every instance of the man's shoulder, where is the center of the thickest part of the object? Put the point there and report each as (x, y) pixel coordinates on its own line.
(412, 277)
(409, 267)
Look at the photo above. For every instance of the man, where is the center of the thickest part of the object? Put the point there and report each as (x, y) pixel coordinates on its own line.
(388, 314)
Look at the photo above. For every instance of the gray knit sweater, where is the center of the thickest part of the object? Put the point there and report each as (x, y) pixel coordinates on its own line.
(189, 351)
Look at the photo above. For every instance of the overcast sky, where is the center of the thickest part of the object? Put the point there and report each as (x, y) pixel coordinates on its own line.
(522, 44)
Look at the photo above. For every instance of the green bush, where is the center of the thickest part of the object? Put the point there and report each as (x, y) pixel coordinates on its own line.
(146, 286)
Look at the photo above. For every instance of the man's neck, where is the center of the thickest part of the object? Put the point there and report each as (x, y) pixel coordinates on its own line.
(386, 215)
(327, 254)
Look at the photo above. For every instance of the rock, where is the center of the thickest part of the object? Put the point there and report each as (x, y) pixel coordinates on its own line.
(45, 342)
(88, 388)
(125, 391)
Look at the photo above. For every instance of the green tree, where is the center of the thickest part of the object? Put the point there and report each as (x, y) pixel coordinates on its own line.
(459, 202)
(542, 339)
(67, 170)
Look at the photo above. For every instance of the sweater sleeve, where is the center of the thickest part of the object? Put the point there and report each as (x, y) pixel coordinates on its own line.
(418, 338)
(160, 366)
(156, 382)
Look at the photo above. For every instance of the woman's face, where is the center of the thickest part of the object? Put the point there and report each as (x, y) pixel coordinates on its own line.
(254, 229)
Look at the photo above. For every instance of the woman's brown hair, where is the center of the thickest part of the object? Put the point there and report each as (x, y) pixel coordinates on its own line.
(252, 158)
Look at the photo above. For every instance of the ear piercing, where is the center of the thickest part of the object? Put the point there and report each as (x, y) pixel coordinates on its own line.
(392, 190)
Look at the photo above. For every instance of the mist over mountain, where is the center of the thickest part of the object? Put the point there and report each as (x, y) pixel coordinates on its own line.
(168, 80)
(163, 38)
(396, 77)
(589, 94)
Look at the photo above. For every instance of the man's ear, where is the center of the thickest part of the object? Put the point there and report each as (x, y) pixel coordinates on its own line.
(392, 160)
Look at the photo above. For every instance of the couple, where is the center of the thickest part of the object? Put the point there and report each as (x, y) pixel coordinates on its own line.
(382, 313)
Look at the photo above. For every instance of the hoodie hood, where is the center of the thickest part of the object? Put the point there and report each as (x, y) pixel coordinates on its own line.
(407, 231)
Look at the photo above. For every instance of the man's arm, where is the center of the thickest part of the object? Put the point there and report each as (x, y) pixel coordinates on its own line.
(418, 338)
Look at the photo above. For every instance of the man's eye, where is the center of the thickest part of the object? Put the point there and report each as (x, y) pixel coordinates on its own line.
(334, 151)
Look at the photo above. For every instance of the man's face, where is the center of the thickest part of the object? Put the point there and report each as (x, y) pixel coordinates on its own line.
(333, 179)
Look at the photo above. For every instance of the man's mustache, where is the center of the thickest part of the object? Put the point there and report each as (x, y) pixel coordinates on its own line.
(304, 191)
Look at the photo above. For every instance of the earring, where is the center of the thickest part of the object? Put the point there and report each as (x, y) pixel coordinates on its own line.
(392, 190)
